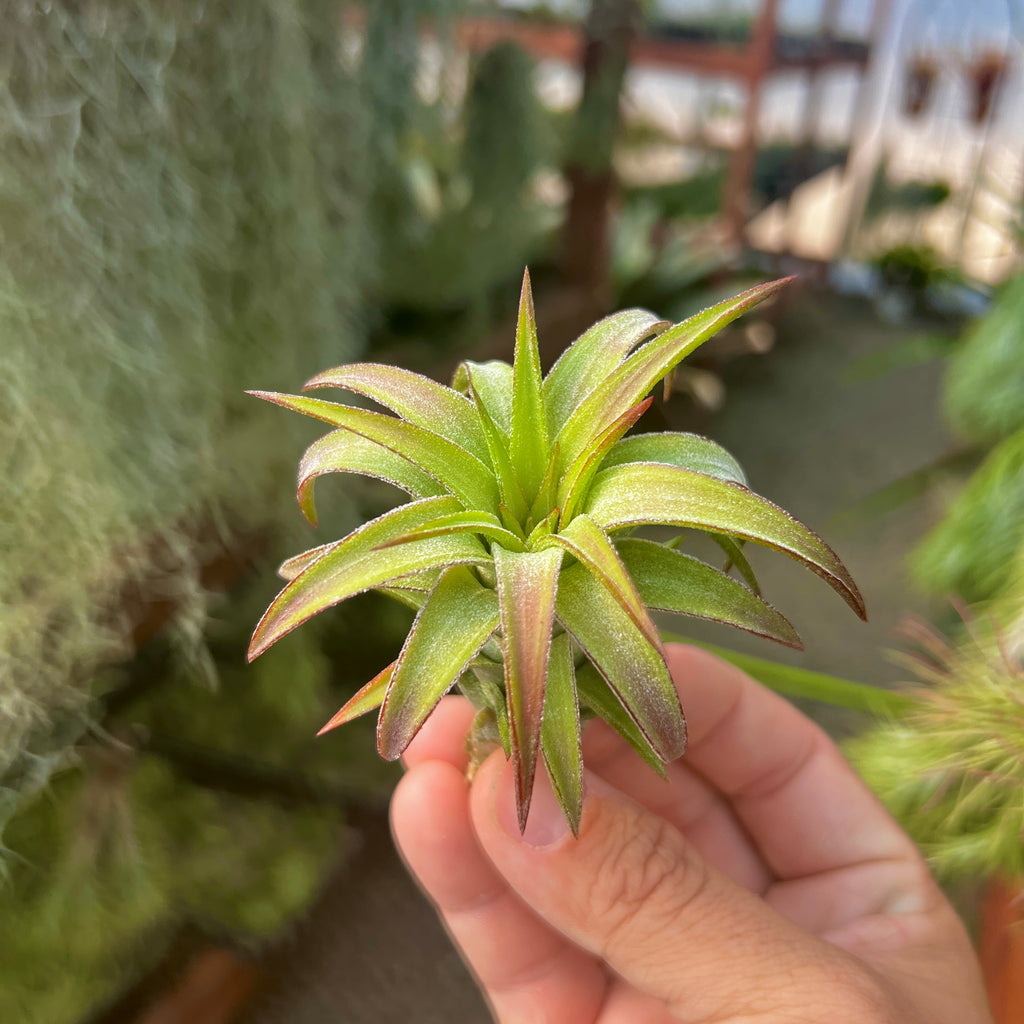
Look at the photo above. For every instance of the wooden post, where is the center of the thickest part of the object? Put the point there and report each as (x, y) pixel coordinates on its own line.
(610, 30)
(736, 197)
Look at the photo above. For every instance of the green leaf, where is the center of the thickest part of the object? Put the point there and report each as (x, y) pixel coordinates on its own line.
(414, 599)
(638, 374)
(463, 522)
(670, 581)
(547, 493)
(560, 732)
(634, 669)
(509, 489)
(456, 621)
(599, 697)
(291, 567)
(585, 540)
(369, 698)
(529, 439)
(527, 584)
(356, 564)
(689, 451)
(591, 358)
(735, 558)
(462, 474)
(482, 685)
(415, 398)
(638, 494)
(543, 529)
(341, 451)
(805, 684)
(492, 382)
(577, 477)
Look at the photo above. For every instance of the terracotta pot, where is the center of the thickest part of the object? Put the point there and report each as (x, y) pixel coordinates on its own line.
(1002, 949)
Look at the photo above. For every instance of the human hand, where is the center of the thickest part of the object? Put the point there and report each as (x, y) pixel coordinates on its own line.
(762, 883)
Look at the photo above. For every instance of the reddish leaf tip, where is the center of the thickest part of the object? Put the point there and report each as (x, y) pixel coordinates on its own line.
(267, 396)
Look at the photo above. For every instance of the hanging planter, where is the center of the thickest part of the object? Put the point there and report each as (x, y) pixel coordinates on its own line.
(986, 74)
(922, 74)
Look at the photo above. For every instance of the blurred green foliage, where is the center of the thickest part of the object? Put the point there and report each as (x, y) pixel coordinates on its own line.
(971, 551)
(181, 219)
(985, 383)
(914, 268)
(952, 770)
(211, 805)
(457, 217)
(886, 198)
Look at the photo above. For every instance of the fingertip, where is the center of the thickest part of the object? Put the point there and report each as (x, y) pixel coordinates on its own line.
(431, 828)
(443, 735)
(430, 792)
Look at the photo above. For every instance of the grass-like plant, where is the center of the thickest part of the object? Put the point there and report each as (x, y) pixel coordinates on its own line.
(532, 594)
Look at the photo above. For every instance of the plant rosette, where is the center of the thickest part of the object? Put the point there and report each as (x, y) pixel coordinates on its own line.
(517, 548)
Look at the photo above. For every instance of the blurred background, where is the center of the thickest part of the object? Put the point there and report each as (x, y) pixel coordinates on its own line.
(198, 198)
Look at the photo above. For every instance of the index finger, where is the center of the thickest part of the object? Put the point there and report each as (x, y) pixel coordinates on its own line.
(804, 806)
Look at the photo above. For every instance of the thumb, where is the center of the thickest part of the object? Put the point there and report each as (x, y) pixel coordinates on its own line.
(634, 892)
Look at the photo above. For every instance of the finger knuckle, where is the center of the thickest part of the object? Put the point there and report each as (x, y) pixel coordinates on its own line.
(645, 880)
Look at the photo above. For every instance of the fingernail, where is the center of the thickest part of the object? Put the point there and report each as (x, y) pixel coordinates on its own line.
(546, 823)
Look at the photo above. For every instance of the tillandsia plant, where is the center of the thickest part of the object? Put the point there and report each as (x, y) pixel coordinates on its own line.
(517, 548)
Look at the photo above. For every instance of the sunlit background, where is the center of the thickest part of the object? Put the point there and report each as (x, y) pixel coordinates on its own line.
(198, 198)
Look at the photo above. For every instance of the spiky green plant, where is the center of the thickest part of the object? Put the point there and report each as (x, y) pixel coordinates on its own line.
(516, 550)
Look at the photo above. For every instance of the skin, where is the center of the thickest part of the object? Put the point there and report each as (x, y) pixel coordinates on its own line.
(762, 883)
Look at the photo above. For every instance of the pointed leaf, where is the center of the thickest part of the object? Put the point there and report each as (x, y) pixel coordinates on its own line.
(291, 567)
(482, 684)
(456, 621)
(591, 358)
(529, 439)
(584, 539)
(375, 532)
(737, 559)
(415, 398)
(414, 599)
(634, 669)
(463, 522)
(461, 473)
(560, 732)
(577, 477)
(492, 382)
(348, 568)
(547, 493)
(527, 584)
(341, 451)
(369, 698)
(599, 697)
(509, 489)
(689, 451)
(635, 377)
(543, 529)
(673, 582)
(509, 521)
(638, 493)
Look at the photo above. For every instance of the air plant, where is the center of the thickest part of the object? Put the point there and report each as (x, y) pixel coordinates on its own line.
(517, 551)
(951, 768)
